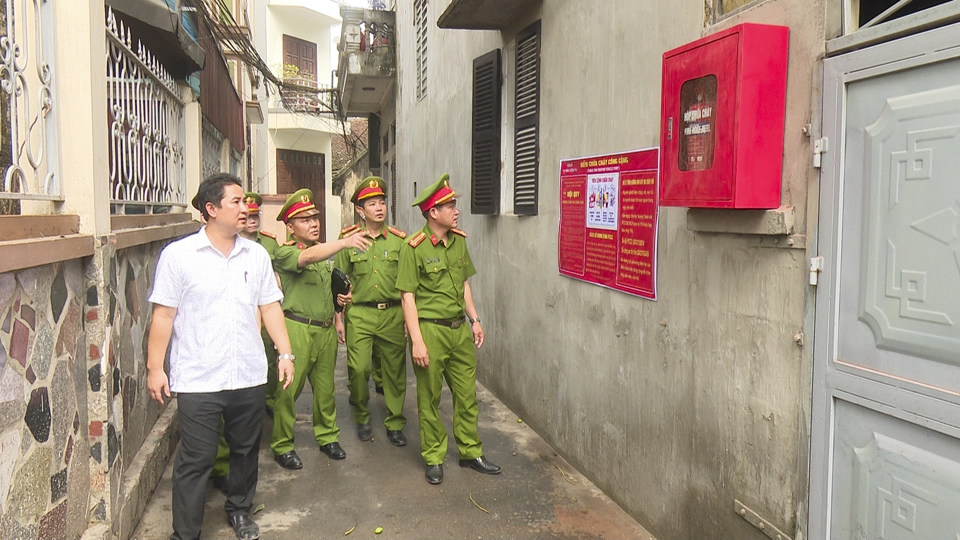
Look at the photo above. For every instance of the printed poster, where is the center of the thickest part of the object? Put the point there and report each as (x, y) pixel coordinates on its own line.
(609, 220)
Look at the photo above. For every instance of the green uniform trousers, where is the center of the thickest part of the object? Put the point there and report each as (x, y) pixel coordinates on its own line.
(377, 333)
(221, 466)
(453, 359)
(316, 352)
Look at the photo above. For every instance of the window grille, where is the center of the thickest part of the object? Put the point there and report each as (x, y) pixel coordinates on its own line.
(212, 144)
(28, 115)
(147, 130)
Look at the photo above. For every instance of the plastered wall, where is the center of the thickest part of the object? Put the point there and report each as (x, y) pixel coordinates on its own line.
(677, 407)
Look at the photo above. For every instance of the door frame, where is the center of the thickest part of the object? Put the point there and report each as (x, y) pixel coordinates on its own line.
(837, 72)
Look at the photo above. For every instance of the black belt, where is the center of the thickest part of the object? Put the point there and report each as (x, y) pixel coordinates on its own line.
(326, 323)
(450, 323)
(379, 305)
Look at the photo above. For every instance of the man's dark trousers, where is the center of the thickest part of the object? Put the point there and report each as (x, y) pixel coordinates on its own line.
(200, 414)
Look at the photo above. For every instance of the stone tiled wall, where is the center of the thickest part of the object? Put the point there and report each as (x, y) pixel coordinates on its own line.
(74, 410)
(44, 427)
(131, 281)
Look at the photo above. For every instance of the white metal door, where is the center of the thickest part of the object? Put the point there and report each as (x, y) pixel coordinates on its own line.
(885, 456)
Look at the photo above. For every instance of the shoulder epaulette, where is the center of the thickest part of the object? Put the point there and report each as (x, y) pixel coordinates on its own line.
(348, 230)
(458, 231)
(268, 234)
(397, 232)
(415, 241)
(290, 243)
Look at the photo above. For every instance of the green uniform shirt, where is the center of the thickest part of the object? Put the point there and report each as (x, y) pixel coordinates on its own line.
(270, 244)
(436, 273)
(306, 291)
(373, 272)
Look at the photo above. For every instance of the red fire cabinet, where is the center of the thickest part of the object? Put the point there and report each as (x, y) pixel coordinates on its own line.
(721, 132)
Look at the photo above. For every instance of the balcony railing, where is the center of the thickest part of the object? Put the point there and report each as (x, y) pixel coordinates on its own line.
(147, 129)
(304, 95)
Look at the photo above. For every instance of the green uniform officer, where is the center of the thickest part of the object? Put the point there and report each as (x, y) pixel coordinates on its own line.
(374, 320)
(251, 231)
(434, 268)
(308, 310)
(269, 242)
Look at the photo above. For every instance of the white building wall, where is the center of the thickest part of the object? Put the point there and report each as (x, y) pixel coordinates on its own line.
(676, 407)
(311, 21)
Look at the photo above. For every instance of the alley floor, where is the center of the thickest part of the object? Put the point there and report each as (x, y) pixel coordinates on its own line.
(538, 495)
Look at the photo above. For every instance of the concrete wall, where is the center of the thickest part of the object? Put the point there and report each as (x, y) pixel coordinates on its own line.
(676, 407)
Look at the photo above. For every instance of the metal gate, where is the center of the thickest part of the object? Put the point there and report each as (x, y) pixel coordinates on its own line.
(885, 456)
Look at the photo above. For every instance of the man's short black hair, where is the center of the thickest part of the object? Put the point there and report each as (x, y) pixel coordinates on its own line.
(211, 191)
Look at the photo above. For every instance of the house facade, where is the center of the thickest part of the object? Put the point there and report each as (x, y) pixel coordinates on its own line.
(294, 143)
(116, 111)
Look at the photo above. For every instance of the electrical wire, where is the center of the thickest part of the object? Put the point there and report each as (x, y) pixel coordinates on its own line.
(228, 34)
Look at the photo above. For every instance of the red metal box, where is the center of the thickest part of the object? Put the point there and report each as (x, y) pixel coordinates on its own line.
(721, 131)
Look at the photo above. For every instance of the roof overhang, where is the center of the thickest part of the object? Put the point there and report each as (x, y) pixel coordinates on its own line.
(159, 26)
(484, 14)
(254, 113)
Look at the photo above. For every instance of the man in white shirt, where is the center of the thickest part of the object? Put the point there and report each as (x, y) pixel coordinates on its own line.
(208, 291)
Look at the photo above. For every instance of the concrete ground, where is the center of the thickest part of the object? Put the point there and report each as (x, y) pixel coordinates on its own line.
(537, 496)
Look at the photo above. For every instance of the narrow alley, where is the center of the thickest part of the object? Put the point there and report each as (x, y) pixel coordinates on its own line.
(538, 495)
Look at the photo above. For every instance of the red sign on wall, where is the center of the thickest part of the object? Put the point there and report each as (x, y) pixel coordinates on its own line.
(608, 220)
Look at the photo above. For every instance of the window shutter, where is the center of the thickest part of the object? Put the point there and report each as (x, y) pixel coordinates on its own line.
(527, 139)
(485, 168)
(393, 190)
(373, 140)
(420, 26)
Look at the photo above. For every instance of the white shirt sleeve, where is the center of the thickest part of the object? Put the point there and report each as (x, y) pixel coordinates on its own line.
(168, 281)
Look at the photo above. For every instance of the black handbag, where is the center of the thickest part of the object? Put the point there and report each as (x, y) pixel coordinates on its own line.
(339, 284)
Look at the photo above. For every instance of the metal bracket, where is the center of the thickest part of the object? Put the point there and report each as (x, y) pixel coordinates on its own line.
(816, 265)
(754, 519)
(819, 147)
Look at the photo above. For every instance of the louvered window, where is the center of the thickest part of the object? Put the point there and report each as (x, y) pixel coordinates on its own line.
(527, 139)
(393, 190)
(420, 28)
(485, 167)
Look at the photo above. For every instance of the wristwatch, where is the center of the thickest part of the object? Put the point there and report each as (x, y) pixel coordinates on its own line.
(474, 320)
(289, 357)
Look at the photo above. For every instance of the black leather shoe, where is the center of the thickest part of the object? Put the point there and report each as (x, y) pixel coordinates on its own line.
(290, 460)
(434, 474)
(333, 450)
(244, 526)
(364, 431)
(481, 465)
(396, 438)
(378, 389)
(222, 483)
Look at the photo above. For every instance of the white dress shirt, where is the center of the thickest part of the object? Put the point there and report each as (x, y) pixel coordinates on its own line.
(216, 343)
